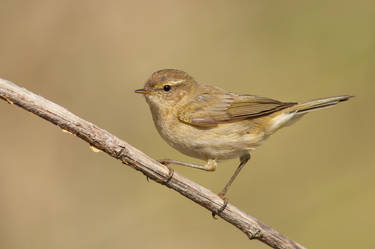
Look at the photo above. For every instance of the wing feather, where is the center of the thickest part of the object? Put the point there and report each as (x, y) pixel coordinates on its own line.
(212, 106)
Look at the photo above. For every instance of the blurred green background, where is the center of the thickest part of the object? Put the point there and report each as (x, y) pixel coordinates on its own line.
(312, 182)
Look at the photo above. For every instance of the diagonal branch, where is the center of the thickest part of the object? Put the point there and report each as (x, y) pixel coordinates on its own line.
(119, 149)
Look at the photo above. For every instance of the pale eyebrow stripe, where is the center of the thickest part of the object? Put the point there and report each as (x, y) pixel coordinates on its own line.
(177, 81)
(173, 83)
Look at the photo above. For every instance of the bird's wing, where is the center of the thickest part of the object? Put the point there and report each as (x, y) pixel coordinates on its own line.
(212, 106)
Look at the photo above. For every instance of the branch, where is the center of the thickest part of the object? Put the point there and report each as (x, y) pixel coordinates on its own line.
(119, 149)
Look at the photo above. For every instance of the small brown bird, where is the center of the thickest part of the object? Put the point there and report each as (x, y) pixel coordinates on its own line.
(212, 124)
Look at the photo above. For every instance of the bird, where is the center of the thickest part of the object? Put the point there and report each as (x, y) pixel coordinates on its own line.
(212, 124)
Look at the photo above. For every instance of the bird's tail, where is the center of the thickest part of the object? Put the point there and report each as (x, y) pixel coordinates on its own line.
(293, 113)
(308, 106)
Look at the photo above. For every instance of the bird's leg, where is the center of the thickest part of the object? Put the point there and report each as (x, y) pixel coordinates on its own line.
(209, 166)
(243, 160)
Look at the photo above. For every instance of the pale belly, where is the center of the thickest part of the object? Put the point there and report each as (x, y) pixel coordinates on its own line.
(226, 141)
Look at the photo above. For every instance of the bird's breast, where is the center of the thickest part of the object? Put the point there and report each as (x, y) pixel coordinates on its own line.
(224, 141)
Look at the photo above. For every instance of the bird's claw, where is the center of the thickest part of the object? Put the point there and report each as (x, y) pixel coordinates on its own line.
(164, 161)
(170, 175)
(221, 209)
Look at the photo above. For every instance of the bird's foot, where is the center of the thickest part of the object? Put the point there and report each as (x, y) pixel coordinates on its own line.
(170, 175)
(222, 208)
(166, 162)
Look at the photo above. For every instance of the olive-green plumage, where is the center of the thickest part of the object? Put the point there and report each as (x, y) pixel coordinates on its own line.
(212, 124)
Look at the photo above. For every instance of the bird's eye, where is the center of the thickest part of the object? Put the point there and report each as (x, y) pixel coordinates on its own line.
(167, 88)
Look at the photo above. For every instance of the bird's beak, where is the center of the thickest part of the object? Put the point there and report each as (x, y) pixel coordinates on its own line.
(142, 91)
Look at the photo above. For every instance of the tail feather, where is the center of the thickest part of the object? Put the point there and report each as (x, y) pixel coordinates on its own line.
(291, 114)
(312, 105)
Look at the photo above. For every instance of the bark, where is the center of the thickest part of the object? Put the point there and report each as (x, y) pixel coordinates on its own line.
(121, 150)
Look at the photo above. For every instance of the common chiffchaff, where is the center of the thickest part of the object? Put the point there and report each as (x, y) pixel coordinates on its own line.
(212, 124)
